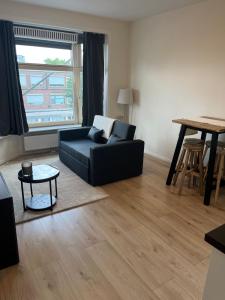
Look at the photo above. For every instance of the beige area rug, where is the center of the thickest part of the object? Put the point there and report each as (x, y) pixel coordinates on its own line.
(72, 190)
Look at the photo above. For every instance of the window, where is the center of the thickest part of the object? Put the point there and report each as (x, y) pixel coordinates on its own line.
(51, 85)
(20, 58)
(23, 80)
(57, 99)
(36, 79)
(35, 99)
(56, 81)
(43, 55)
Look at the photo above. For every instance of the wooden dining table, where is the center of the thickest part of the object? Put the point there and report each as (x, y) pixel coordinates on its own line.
(204, 124)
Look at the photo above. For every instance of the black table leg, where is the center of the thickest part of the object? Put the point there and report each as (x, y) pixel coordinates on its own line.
(31, 190)
(203, 136)
(56, 189)
(50, 187)
(211, 163)
(24, 205)
(176, 154)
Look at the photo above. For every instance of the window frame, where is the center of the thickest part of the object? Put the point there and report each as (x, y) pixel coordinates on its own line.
(75, 69)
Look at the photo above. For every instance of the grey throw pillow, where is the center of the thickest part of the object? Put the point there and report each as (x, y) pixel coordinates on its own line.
(95, 134)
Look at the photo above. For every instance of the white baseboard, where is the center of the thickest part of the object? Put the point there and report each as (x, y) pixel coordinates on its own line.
(158, 157)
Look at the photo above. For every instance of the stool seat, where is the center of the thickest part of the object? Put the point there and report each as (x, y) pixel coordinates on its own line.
(194, 146)
(219, 144)
(193, 141)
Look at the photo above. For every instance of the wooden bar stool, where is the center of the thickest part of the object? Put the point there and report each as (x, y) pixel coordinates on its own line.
(191, 141)
(190, 163)
(220, 146)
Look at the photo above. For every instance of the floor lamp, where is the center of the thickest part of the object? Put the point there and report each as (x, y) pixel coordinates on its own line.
(125, 98)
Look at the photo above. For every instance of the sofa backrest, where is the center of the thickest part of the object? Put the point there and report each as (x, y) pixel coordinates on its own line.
(123, 130)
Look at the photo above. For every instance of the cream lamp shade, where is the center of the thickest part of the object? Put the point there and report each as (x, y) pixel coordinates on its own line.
(125, 96)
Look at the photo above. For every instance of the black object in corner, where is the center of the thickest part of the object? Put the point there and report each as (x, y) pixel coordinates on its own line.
(9, 254)
(216, 238)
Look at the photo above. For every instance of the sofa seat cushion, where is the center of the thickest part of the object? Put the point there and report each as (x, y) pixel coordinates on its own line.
(79, 149)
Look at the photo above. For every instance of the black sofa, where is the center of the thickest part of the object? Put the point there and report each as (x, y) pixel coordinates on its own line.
(102, 163)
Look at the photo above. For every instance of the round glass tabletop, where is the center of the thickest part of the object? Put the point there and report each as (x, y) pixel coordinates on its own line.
(41, 173)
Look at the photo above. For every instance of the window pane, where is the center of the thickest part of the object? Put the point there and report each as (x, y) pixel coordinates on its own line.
(49, 94)
(35, 79)
(50, 100)
(43, 55)
(23, 80)
(35, 99)
(57, 99)
(57, 80)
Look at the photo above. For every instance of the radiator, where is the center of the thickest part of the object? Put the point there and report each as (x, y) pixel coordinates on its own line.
(40, 141)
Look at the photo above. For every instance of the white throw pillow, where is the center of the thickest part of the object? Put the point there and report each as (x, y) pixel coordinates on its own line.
(104, 123)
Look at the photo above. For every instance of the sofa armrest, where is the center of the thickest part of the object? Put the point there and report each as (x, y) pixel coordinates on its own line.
(73, 134)
(117, 161)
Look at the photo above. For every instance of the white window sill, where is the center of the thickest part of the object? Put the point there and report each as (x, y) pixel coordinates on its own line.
(48, 129)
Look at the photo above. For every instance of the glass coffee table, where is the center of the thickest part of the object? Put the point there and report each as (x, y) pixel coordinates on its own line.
(41, 173)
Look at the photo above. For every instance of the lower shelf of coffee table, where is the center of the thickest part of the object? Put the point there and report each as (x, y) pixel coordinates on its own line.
(40, 202)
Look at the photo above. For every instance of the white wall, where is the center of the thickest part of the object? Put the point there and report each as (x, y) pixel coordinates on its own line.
(10, 147)
(177, 69)
(118, 41)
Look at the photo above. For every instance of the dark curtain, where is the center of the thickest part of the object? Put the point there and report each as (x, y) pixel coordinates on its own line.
(93, 76)
(12, 113)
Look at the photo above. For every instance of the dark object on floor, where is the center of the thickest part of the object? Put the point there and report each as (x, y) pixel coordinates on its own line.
(216, 238)
(41, 173)
(9, 254)
(99, 164)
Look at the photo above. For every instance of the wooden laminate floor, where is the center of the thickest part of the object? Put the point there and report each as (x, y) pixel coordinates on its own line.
(143, 242)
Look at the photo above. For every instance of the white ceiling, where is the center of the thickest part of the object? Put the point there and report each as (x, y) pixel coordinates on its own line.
(119, 9)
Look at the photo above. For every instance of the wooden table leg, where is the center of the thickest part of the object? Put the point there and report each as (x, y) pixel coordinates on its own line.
(211, 163)
(176, 154)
